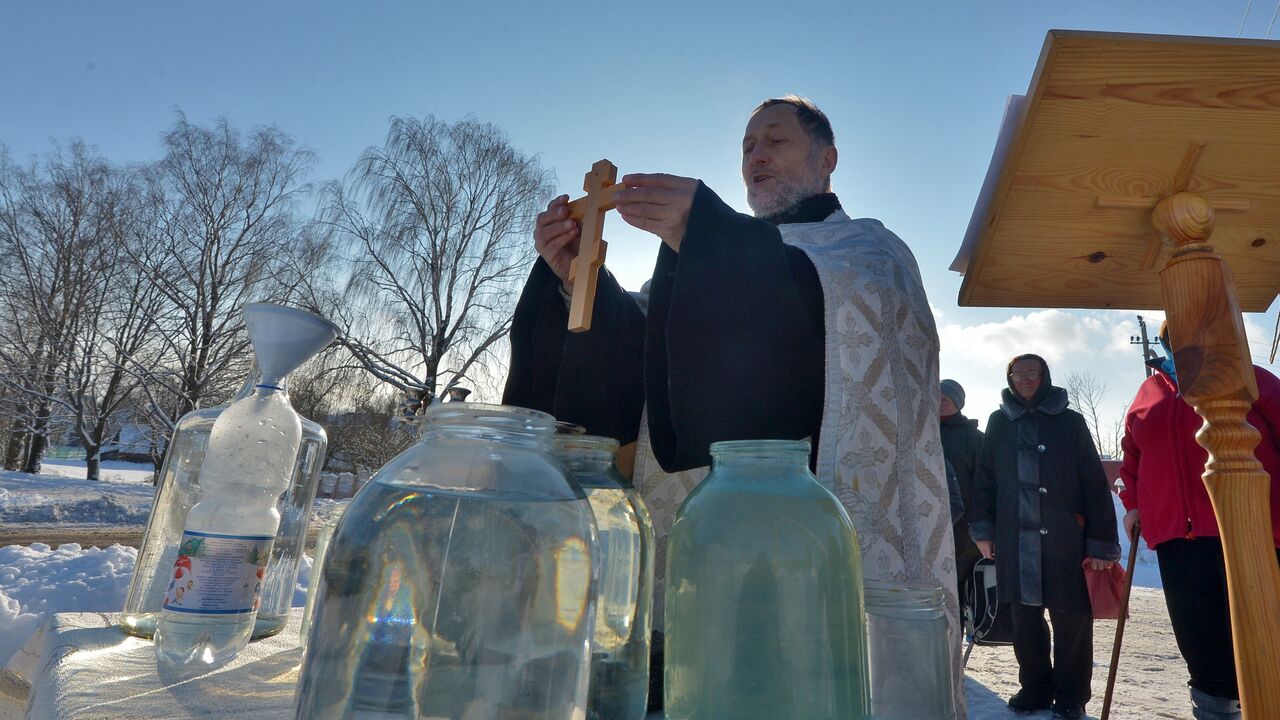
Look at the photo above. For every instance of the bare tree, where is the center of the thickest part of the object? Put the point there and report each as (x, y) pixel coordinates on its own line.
(368, 435)
(436, 222)
(113, 329)
(1087, 392)
(221, 233)
(1115, 437)
(13, 412)
(54, 221)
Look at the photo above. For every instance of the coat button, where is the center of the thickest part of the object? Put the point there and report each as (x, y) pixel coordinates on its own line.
(1044, 531)
(1044, 491)
(1040, 448)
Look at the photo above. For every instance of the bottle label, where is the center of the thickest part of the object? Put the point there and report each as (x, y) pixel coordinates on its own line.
(218, 574)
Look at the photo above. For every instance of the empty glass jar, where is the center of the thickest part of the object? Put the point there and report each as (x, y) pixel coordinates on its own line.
(459, 582)
(620, 648)
(910, 652)
(764, 614)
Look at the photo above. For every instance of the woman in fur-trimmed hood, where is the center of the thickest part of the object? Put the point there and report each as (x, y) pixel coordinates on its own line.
(1042, 504)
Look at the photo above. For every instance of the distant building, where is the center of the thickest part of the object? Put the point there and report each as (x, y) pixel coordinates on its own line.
(133, 443)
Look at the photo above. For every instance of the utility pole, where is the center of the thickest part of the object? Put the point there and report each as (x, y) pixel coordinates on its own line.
(1147, 352)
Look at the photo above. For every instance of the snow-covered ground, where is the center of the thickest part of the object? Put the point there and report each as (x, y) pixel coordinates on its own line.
(114, 471)
(1148, 572)
(1151, 682)
(54, 499)
(37, 579)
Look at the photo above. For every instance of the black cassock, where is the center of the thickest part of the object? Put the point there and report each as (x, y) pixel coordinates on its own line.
(731, 347)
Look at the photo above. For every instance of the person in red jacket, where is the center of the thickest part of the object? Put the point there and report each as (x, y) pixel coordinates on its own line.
(1163, 488)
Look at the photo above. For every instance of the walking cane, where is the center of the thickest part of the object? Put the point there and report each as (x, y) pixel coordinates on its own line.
(1124, 614)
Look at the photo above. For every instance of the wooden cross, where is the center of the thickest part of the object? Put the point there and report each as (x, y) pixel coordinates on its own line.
(600, 187)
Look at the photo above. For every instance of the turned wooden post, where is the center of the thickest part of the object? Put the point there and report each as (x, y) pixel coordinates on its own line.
(1215, 375)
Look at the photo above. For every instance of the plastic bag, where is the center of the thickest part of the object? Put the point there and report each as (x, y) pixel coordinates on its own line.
(1106, 591)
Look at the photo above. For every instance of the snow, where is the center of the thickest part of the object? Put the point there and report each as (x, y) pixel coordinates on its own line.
(51, 499)
(1147, 573)
(1151, 681)
(36, 580)
(113, 471)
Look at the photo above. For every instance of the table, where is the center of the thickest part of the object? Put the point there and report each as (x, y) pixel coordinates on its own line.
(79, 665)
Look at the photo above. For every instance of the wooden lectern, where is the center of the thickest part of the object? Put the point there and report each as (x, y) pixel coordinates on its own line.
(1143, 172)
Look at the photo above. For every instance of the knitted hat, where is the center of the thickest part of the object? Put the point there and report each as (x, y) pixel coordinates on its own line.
(953, 390)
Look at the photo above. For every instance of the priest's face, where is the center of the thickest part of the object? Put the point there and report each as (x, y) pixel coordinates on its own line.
(781, 163)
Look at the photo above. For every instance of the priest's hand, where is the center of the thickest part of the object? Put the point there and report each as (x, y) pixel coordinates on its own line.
(659, 204)
(1100, 565)
(555, 236)
(987, 548)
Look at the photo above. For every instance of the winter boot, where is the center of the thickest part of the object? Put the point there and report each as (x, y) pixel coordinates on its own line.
(1209, 707)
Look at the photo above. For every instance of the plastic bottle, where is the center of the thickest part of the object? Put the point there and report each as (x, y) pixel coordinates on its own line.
(764, 613)
(212, 599)
(213, 595)
(178, 490)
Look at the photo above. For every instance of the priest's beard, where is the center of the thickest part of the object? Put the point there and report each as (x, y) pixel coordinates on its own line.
(788, 190)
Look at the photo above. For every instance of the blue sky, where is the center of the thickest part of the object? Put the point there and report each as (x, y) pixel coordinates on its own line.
(915, 91)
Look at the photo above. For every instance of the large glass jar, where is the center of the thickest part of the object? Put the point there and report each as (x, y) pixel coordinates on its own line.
(910, 652)
(764, 615)
(179, 488)
(459, 582)
(620, 649)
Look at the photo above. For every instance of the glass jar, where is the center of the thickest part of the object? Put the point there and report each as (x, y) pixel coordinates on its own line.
(278, 588)
(910, 652)
(459, 582)
(323, 538)
(764, 615)
(620, 648)
(178, 489)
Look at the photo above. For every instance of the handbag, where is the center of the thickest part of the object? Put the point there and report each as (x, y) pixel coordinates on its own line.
(1106, 590)
(987, 621)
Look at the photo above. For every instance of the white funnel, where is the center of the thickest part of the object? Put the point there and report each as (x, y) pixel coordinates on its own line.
(283, 338)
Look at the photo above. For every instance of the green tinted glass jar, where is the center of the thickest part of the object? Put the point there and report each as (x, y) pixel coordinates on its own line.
(764, 612)
(620, 646)
(910, 652)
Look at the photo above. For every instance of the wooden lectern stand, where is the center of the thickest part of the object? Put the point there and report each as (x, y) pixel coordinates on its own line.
(1129, 155)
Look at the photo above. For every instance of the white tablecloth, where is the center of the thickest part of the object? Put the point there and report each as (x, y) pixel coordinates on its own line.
(81, 666)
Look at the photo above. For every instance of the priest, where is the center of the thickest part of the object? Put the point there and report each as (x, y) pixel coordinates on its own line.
(796, 323)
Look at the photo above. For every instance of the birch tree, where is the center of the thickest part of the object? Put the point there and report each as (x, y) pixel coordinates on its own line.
(221, 232)
(436, 223)
(54, 221)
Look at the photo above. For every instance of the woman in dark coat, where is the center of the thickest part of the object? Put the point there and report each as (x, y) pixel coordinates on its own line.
(1042, 504)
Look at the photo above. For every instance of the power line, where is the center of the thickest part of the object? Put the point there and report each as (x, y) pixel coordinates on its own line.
(1275, 336)
(1246, 17)
(1273, 24)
